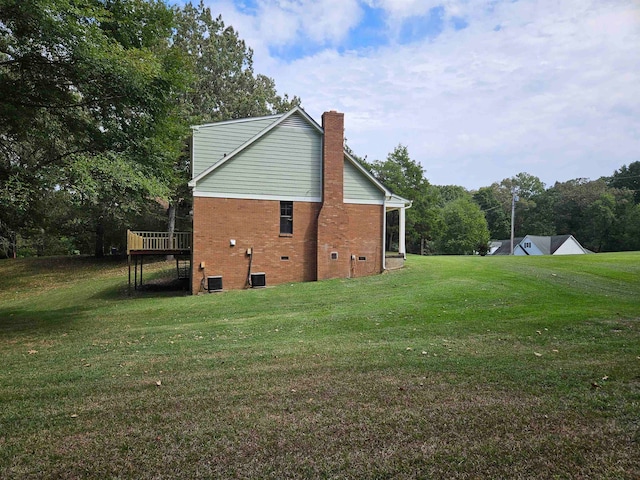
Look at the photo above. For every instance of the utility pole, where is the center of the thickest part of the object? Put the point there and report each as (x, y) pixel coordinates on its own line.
(514, 199)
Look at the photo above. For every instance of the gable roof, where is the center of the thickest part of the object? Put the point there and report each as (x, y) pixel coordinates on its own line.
(542, 243)
(505, 246)
(294, 117)
(278, 120)
(557, 241)
(547, 245)
(550, 244)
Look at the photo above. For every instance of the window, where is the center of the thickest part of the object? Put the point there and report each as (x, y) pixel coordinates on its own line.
(286, 218)
(527, 244)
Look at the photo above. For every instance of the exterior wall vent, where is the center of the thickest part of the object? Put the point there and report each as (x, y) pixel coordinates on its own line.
(296, 121)
(258, 280)
(214, 283)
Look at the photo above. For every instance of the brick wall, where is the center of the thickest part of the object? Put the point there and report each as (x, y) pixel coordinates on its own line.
(365, 239)
(252, 224)
(333, 222)
(330, 239)
(256, 224)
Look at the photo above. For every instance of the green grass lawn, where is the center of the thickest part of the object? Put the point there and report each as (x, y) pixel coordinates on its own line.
(453, 367)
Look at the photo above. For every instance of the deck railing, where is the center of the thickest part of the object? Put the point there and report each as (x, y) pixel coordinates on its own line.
(157, 241)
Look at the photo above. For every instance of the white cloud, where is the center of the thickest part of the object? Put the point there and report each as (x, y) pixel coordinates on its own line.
(401, 9)
(541, 86)
(283, 22)
(404, 8)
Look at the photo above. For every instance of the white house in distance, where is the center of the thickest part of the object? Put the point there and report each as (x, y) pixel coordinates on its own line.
(539, 245)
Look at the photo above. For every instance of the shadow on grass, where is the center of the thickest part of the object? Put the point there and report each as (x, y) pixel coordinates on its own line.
(38, 321)
(154, 287)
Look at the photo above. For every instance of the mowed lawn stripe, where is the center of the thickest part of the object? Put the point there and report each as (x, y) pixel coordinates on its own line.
(453, 367)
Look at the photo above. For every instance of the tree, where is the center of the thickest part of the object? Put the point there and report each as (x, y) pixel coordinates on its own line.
(538, 217)
(464, 230)
(405, 177)
(627, 177)
(627, 231)
(449, 193)
(79, 80)
(498, 221)
(591, 211)
(601, 216)
(224, 86)
(528, 188)
(96, 99)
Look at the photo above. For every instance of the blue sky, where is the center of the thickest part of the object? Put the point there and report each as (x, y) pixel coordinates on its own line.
(478, 90)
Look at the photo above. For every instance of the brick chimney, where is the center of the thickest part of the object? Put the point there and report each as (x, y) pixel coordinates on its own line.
(333, 222)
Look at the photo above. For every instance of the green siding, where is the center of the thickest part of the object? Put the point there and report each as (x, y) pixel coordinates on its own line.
(357, 187)
(212, 142)
(286, 162)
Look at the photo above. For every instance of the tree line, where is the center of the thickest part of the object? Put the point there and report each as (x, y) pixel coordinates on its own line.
(96, 101)
(603, 214)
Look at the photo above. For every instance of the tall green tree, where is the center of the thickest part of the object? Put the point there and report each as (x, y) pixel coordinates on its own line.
(224, 86)
(591, 211)
(81, 80)
(538, 216)
(449, 193)
(405, 177)
(627, 230)
(498, 221)
(627, 177)
(464, 229)
(528, 189)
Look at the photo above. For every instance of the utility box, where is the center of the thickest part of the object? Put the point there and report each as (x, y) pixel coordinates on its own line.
(258, 280)
(214, 283)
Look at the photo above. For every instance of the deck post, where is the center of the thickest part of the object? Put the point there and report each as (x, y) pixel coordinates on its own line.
(129, 265)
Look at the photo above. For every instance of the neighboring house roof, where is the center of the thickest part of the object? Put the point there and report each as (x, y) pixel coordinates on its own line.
(541, 245)
(553, 245)
(503, 247)
(245, 133)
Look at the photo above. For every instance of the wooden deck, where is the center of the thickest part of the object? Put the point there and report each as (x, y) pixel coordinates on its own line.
(141, 244)
(158, 243)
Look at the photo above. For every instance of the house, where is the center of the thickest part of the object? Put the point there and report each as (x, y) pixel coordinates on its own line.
(503, 247)
(539, 245)
(278, 199)
(554, 245)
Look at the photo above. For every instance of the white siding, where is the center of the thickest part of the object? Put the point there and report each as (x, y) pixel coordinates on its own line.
(284, 163)
(358, 188)
(569, 247)
(212, 142)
